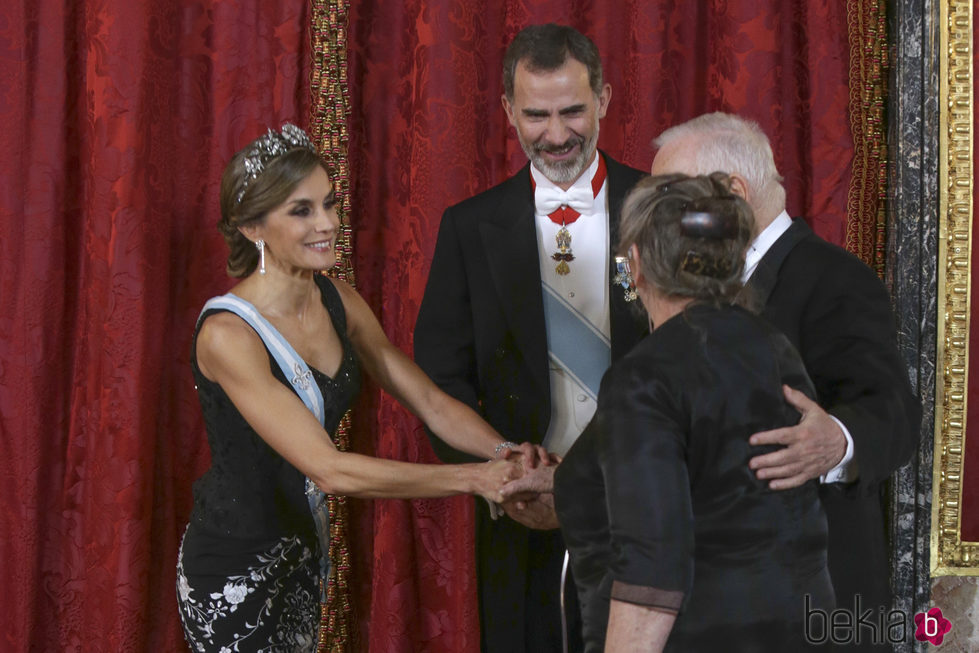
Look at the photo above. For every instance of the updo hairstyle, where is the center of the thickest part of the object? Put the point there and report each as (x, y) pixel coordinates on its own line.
(691, 232)
(259, 195)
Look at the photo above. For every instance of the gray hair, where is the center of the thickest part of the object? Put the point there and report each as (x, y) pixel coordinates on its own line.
(733, 145)
(677, 262)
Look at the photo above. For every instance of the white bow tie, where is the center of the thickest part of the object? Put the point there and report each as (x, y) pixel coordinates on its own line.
(550, 199)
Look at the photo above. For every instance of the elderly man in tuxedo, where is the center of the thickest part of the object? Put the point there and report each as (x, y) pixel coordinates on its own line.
(838, 315)
(518, 318)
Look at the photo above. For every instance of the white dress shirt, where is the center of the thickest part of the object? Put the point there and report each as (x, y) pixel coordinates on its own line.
(585, 288)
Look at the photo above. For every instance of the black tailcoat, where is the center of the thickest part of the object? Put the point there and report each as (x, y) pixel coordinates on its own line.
(480, 336)
(837, 313)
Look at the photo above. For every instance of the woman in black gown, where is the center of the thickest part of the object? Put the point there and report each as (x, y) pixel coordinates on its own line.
(276, 367)
(675, 545)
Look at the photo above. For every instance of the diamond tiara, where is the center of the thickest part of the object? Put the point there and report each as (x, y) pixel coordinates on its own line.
(270, 146)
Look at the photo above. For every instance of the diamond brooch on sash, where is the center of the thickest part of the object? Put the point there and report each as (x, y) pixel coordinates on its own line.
(301, 380)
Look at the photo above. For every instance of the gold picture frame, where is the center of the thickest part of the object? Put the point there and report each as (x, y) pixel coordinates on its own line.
(950, 555)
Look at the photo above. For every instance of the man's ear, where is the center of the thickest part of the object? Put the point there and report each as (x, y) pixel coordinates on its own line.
(508, 108)
(603, 100)
(739, 186)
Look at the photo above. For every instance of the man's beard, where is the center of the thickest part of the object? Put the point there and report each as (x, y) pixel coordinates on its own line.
(563, 172)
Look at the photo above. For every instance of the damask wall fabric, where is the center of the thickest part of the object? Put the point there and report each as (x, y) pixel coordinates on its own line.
(118, 118)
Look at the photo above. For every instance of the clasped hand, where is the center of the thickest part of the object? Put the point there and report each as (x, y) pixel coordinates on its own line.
(529, 499)
(510, 464)
(522, 481)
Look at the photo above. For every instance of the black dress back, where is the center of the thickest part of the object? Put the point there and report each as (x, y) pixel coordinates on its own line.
(657, 503)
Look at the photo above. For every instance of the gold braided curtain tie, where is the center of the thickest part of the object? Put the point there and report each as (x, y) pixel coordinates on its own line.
(866, 217)
(328, 130)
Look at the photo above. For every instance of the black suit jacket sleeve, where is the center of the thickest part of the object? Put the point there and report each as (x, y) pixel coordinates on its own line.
(837, 313)
(851, 351)
(444, 335)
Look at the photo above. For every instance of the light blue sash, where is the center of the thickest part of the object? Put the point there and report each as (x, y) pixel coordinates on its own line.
(301, 378)
(289, 361)
(574, 343)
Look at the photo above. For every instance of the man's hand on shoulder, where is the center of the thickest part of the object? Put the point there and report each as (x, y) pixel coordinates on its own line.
(810, 449)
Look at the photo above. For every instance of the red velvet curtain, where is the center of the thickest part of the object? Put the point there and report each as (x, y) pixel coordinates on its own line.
(427, 130)
(118, 118)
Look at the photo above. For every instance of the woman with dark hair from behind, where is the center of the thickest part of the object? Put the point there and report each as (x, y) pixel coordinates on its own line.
(277, 363)
(674, 544)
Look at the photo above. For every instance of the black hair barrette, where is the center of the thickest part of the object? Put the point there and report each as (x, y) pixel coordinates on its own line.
(709, 224)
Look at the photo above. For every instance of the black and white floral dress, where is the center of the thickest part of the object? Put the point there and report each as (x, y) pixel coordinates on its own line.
(249, 565)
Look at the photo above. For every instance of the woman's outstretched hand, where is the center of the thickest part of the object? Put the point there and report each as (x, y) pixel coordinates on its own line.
(529, 455)
(536, 481)
(493, 475)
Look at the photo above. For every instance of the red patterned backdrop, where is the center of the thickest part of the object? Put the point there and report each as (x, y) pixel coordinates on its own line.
(118, 117)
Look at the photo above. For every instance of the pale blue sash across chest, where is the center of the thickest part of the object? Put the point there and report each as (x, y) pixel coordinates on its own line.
(574, 343)
(299, 375)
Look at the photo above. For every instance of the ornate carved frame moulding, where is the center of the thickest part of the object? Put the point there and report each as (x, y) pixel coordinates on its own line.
(950, 555)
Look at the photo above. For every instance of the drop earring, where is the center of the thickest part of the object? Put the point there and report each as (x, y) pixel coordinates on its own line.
(260, 245)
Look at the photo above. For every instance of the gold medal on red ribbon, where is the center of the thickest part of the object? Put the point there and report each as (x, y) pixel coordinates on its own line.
(565, 215)
(563, 253)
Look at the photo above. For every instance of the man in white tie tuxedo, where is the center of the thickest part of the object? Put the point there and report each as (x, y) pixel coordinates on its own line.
(519, 318)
